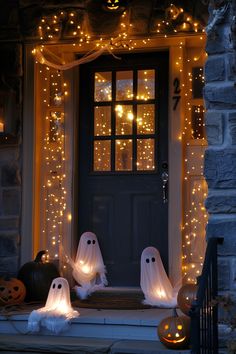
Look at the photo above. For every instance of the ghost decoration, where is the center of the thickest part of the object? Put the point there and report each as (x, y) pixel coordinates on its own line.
(88, 269)
(155, 284)
(57, 313)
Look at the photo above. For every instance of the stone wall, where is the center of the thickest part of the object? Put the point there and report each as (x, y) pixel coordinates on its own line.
(220, 157)
(10, 205)
(11, 78)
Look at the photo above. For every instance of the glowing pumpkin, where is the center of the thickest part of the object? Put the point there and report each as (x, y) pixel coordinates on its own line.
(186, 295)
(114, 5)
(174, 331)
(12, 291)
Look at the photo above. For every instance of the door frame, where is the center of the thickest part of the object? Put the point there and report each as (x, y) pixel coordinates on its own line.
(30, 221)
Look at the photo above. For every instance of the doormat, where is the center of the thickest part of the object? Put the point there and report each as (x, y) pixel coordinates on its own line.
(113, 300)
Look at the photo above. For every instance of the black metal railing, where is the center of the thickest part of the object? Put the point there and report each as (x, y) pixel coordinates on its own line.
(204, 311)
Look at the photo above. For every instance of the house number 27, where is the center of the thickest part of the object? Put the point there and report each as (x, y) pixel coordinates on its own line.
(177, 90)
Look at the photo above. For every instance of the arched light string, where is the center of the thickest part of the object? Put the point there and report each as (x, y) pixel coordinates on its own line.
(54, 91)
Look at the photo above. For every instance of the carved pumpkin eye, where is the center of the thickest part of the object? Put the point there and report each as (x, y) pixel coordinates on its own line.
(180, 327)
(147, 260)
(94, 242)
(153, 259)
(89, 242)
(54, 285)
(59, 286)
(166, 326)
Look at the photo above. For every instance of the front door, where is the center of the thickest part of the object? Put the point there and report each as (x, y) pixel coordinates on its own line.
(123, 140)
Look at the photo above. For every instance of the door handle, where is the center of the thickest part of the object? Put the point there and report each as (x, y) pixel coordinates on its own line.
(164, 178)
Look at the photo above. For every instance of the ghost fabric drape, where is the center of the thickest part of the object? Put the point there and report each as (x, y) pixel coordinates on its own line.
(57, 313)
(88, 269)
(154, 282)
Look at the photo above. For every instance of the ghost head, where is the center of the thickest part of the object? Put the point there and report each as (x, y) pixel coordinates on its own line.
(155, 284)
(57, 312)
(89, 269)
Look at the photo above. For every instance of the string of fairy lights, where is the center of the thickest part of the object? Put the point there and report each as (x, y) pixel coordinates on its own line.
(54, 92)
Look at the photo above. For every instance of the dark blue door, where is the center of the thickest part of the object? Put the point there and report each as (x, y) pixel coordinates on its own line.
(123, 141)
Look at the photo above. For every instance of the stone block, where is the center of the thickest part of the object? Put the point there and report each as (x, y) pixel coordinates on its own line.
(225, 202)
(8, 155)
(224, 271)
(10, 175)
(214, 127)
(11, 201)
(220, 96)
(220, 168)
(230, 61)
(219, 41)
(223, 226)
(232, 127)
(215, 69)
(8, 244)
(233, 274)
(9, 266)
(9, 223)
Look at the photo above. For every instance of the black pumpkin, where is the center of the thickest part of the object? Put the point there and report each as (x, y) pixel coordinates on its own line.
(37, 277)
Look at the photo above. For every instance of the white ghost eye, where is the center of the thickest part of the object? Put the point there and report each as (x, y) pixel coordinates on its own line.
(54, 285)
(94, 242)
(147, 260)
(153, 259)
(88, 242)
(59, 286)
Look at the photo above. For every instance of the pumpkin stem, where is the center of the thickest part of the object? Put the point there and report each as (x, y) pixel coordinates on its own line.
(38, 258)
(175, 313)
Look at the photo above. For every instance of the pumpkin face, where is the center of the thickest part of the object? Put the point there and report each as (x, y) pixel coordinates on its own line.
(37, 277)
(174, 331)
(12, 291)
(186, 295)
(114, 5)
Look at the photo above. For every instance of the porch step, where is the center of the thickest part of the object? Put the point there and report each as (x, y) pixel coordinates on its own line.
(33, 344)
(118, 324)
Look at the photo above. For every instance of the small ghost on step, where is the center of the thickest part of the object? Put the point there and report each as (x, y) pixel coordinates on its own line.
(155, 284)
(57, 312)
(88, 269)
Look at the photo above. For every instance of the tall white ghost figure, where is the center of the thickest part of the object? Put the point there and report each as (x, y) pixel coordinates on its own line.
(88, 269)
(57, 312)
(154, 282)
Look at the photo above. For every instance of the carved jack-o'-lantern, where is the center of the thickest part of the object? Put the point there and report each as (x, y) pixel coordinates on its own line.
(12, 291)
(114, 5)
(174, 331)
(186, 295)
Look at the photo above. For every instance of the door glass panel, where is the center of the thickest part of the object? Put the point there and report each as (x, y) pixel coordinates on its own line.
(146, 119)
(124, 85)
(146, 84)
(102, 120)
(124, 119)
(102, 89)
(102, 155)
(123, 157)
(145, 154)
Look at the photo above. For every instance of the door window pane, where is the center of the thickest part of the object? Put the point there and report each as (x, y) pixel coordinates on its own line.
(124, 85)
(146, 84)
(102, 89)
(145, 154)
(198, 130)
(197, 82)
(102, 155)
(146, 119)
(123, 158)
(102, 120)
(124, 119)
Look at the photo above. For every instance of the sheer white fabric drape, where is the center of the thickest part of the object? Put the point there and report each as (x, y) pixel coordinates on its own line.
(57, 312)
(155, 284)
